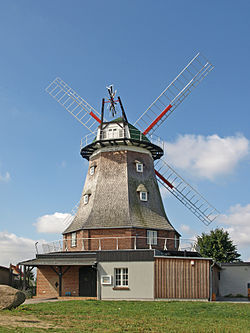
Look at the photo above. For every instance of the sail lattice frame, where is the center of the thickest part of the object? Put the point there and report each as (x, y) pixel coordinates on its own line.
(185, 193)
(74, 104)
(189, 78)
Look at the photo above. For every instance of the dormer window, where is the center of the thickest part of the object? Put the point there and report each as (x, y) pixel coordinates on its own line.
(139, 167)
(86, 199)
(92, 170)
(143, 192)
(144, 196)
(113, 130)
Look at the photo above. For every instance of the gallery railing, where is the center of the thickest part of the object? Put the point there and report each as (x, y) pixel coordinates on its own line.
(121, 134)
(116, 243)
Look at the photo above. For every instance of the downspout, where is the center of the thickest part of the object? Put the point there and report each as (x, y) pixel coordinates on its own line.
(211, 281)
(99, 289)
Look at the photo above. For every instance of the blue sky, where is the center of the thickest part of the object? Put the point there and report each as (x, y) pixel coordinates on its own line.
(139, 46)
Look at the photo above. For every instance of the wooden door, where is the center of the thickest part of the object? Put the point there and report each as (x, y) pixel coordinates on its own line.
(87, 281)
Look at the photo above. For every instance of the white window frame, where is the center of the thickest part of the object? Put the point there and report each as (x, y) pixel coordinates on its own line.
(120, 133)
(73, 239)
(143, 196)
(104, 134)
(176, 239)
(110, 133)
(139, 167)
(121, 277)
(92, 170)
(152, 237)
(86, 199)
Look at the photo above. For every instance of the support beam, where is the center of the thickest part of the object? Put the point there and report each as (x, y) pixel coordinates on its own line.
(60, 275)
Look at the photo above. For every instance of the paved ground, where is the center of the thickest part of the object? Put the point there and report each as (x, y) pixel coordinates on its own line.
(39, 300)
(44, 300)
(233, 299)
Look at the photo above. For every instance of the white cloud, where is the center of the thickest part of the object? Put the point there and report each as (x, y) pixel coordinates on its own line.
(14, 249)
(5, 177)
(237, 223)
(185, 228)
(207, 157)
(54, 223)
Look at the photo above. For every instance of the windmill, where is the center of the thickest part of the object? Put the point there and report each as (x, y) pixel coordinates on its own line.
(118, 135)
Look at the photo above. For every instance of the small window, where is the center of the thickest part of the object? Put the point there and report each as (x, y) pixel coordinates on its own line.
(152, 237)
(176, 242)
(86, 199)
(73, 239)
(121, 277)
(92, 170)
(139, 167)
(110, 133)
(115, 133)
(144, 196)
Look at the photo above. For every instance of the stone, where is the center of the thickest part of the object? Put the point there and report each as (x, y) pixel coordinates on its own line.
(10, 298)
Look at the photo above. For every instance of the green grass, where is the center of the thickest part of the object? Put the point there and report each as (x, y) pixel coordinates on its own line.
(122, 316)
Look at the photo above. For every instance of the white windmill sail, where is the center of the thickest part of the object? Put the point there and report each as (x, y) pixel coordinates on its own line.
(189, 78)
(185, 193)
(74, 104)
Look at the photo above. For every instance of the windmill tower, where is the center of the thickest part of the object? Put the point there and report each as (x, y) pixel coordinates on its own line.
(121, 205)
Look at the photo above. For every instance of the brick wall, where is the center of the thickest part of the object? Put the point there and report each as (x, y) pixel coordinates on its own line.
(79, 243)
(48, 282)
(122, 243)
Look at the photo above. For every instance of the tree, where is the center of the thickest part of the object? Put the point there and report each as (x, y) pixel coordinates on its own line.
(217, 245)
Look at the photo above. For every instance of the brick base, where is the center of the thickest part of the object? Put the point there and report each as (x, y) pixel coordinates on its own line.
(127, 240)
(48, 282)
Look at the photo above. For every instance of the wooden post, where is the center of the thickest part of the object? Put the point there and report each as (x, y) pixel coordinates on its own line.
(24, 277)
(60, 280)
(102, 114)
(125, 120)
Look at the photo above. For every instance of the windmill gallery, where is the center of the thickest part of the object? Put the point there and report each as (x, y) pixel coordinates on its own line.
(120, 243)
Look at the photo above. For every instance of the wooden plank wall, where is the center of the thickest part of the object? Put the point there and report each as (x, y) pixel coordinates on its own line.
(177, 278)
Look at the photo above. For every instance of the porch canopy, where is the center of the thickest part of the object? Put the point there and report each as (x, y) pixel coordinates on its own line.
(58, 261)
(62, 259)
